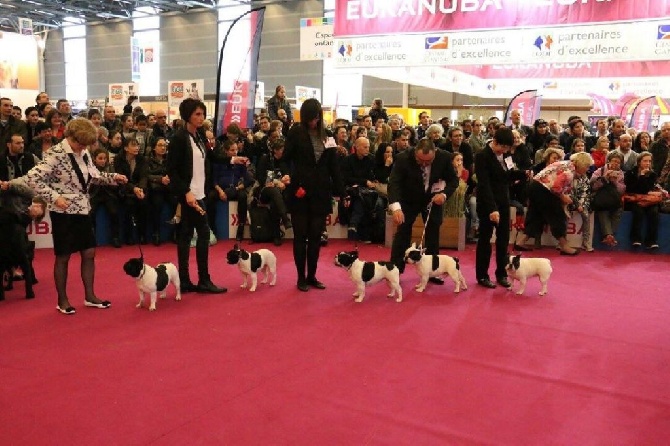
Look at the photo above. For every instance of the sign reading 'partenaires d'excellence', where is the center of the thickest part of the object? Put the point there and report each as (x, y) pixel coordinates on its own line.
(388, 17)
(642, 41)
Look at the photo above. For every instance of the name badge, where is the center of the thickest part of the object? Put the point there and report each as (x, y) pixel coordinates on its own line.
(509, 162)
(438, 187)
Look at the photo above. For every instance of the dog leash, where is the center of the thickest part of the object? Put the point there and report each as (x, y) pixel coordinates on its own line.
(139, 245)
(425, 225)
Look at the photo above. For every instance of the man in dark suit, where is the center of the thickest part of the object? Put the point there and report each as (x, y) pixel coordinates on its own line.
(420, 176)
(515, 116)
(494, 175)
(188, 167)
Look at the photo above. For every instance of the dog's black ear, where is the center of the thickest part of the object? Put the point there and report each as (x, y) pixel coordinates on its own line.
(244, 255)
(236, 247)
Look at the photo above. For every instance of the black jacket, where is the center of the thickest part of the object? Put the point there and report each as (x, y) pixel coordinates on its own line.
(319, 179)
(26, 161)
(180, 164)
(138, 178)
(493, 183)
(406, 182)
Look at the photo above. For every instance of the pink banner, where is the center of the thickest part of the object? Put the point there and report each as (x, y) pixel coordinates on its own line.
(567, 70)
(371, 17)
(528, 103)
(641, 118)
(601, 104)
(623, 103)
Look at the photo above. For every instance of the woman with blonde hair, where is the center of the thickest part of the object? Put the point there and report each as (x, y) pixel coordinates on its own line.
(548, 193)
(385, 136)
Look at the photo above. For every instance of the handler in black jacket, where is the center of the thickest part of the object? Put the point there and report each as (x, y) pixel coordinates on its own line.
(494, 173)
(188, 166)
(314, 177)
(420, 176)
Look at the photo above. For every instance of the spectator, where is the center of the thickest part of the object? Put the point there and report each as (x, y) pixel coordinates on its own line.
(642, 180)
(105, 195)
(9, 125)
(273, 174)
(377, 111)
(130, 164)
(44, 140)
(279, 102)
(609, 218)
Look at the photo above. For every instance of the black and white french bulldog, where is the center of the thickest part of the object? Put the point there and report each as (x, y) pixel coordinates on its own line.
(250, 263)
(521, 269)
(368, 273)
(152, 280)
(428, 266)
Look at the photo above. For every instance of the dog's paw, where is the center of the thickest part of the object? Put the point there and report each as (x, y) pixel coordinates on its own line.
(244, 285)
(542, 293)
(359, 299)
(398, 299)
(519, 293)
(177, 297)
(420, 289)
(457, 290)
(251, 290)
(152, 308)
(355, 294)
(139, 305)
(273, 283)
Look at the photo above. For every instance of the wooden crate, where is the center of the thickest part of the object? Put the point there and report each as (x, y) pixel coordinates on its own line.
(452, 232)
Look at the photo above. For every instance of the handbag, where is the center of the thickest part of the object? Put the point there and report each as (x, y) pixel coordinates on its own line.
(645, 200)
(607, 198)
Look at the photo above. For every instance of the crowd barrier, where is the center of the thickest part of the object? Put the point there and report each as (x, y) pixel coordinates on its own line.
(226, 225)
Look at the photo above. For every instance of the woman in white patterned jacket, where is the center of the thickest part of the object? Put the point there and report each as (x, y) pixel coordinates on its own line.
(62, 179)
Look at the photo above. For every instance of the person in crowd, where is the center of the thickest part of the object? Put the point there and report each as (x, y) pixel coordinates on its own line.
(564, 138)
(273, 174)
(368, 125)
(609, 218)
(96, 118)
(455, 144)
(231, 183)
(62, 179)
(617, 129)
(581, 201)
(188, 167)
(421, 181)
(445, 122)
(600, 151)
(577, 131)
(434, 133)
(105, 195)
(642, 142)
(9, 125)
(44, 140)
(279, 102)
(659, 149)
(643, 180)
(341, 136)
(151, 120)
(537, 139)
(15, 161)
(377, 111)
(384, 136)
(494, 176)
(161, 129)
(41, 98)
(128, 108)
(491, 127)
(548, 193)
(19, 206)
(283, 118)
(384, 160)
(358, 173)
(143, 135)
(32, 119)
(424, 123)
(401, 140)
(54, 119)
(130, 164)
(467, 127)
(115, 143)
(111, 122)
(65, 109)
(159, 187)
(521, 161)
(554, 128)
(44, 108)
(515, 116)
(314, 177)
(127, 126)
(477, 140)
(626, 151)
(413, 141)
(552, 143)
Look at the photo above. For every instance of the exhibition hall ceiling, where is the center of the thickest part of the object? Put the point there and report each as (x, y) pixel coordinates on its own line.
(47, 14)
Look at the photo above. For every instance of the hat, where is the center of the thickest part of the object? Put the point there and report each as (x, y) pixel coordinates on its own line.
(41, 126)
(539, 122)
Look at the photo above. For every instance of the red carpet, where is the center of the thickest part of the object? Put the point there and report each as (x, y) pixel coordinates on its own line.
(587, 364)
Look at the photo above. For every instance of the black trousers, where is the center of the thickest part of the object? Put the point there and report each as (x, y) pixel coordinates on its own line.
(403, 235)
(190, 220)
(274, 197)
(307, 227)
(111, 204)
(483, 256)
(544, 207)
(639, 213)
(157, 199)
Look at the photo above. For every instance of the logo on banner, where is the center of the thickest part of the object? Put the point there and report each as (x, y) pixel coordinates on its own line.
(543, 43)
(437, 43)
(177, 90)
(116, 92)
(663, 32)
(345, 50)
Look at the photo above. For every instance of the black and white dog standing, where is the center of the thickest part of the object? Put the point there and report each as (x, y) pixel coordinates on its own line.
(428, 266)
(368, 273)
(250, 263)
(152, 280)
(521, 269)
